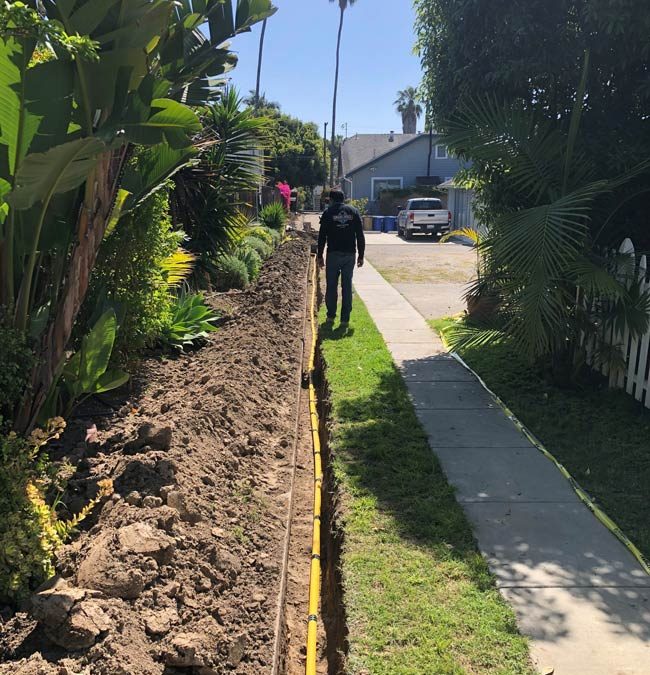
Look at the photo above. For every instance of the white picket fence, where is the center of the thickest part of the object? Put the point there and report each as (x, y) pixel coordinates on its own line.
(634, 376)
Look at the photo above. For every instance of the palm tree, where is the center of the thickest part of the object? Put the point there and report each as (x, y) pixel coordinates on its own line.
(259, 65)
(540, 257)
(256, 100)
(343, 5)
(207, 196)
(409, 108)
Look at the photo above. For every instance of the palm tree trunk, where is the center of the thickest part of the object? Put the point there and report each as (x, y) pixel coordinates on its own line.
(259, 65)
(336, 87)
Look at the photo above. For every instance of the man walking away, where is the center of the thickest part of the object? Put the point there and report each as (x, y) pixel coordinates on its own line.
(341, 229)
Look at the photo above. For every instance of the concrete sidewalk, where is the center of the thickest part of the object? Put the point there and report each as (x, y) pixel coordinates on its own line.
(578, 593)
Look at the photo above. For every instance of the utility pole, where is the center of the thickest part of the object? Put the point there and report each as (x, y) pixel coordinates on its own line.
(325, 148)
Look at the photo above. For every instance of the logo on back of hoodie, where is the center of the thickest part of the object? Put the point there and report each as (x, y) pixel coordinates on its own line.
(342, 218)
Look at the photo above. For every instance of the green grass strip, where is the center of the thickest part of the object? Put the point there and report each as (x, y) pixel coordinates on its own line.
(601, 436)
(419, 597)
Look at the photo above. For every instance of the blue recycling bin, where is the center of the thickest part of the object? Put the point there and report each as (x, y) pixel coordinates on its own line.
(377, 223)
(390, 224)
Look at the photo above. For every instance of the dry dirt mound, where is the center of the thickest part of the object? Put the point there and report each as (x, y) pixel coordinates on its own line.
(180, 569)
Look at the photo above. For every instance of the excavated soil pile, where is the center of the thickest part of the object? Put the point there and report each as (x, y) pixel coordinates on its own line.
(179, 571)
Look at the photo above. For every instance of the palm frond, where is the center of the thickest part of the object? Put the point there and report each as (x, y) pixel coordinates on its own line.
(511, 138)
(468, 232)
(177, 267)
(464, 336)
(546, 238)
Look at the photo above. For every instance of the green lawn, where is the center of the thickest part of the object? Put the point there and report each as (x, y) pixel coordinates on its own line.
(419, 597)
(601, 436)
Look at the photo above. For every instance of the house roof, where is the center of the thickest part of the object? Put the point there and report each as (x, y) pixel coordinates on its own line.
(362, 149)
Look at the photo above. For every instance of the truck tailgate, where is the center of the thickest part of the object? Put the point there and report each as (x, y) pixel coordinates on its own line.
(430, 217)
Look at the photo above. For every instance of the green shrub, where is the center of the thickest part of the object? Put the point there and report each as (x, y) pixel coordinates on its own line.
(130, 274)
(252, 260)
(274, 216)
(262, 247)
(361, 205)
(228, 272)
(30, 531)
(257, 230)
(16, 361)
(87, 371)
(192, 321)
(276, 236)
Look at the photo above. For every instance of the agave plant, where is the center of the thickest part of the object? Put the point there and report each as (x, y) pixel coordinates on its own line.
(538, 254)
(192, 321)
(67, 122)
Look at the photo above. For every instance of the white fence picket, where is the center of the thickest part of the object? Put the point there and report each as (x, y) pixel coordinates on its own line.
(635, 350)
(624, 274)
(636, 373)
(628, 277)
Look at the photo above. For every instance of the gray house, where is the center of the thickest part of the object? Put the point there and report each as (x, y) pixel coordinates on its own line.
(370, 162)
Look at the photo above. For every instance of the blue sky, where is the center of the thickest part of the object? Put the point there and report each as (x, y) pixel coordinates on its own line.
(299, 57)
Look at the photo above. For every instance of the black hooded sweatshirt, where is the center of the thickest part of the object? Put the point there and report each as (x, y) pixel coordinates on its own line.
(341, 229)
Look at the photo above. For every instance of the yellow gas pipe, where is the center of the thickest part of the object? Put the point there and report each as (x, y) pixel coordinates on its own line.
(314, 576)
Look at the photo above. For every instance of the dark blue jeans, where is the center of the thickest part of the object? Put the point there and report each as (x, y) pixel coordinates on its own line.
(339, 264)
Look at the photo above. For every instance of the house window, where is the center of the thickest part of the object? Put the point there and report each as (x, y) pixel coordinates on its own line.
(379, 184)
(441, 152)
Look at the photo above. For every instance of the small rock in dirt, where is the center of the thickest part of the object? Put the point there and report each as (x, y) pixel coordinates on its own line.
(177, 501)
(101, 571)
(207, 480)
(121, 565)
(160, 623)
(157, 438)
(171, 589)
(225, 561)
(236, 650)
(193, 649)
(279, 454)
(152, 502)
(233, 463)
(218, 532)
(165, 407)
(205, 379)
(203, 585)
(167, 518)
(72, 617)
(166, 489)
(133, 498)
(143, 539)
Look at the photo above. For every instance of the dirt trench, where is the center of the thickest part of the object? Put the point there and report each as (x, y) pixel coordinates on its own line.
(180, 571)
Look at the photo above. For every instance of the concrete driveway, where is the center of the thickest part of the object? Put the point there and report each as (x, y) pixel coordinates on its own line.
(433, 277)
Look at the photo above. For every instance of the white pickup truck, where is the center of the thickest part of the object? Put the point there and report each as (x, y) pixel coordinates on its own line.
(423, 216)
